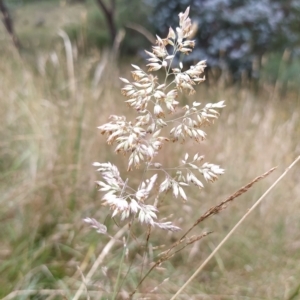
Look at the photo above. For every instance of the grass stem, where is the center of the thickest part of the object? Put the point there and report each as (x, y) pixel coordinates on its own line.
(201, 267)
(99, 260)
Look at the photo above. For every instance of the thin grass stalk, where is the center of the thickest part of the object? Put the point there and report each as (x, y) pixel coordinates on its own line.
(84, 281)
(216, 209)
(70, 61)
(99, 260)
(77, 146)
(201, 267)
(142, 30)
(119, 272)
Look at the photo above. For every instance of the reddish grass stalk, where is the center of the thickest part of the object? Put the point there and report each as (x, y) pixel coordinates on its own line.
(201, 267)
(212, 211)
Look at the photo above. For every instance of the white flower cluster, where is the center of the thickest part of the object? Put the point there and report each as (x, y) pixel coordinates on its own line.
(185, 175)
(154, 102)
(132, 138)
(193, 120)
(124, 200)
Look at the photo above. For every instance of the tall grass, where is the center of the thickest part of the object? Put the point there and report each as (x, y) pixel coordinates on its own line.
(48, 139)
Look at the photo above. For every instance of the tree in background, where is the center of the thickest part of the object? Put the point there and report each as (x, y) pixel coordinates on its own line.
(105, 24)
(234, 34)
(124, 17)
(8, 23)
(109, 13)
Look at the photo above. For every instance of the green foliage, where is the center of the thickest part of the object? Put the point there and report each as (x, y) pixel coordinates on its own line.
(233, 34)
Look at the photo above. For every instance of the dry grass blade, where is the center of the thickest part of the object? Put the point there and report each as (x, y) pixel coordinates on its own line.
(235, 227)
(70, 61)
(84, 282)
(99, 260)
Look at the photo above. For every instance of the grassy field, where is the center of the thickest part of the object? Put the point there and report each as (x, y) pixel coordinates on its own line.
(49, 140)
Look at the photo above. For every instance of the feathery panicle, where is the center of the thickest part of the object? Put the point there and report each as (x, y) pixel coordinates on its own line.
(141, 140)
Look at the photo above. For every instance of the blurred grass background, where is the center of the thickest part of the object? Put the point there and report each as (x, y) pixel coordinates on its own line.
(49, 139)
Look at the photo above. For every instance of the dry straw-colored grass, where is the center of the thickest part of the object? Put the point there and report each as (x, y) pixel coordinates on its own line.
(48, 140)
